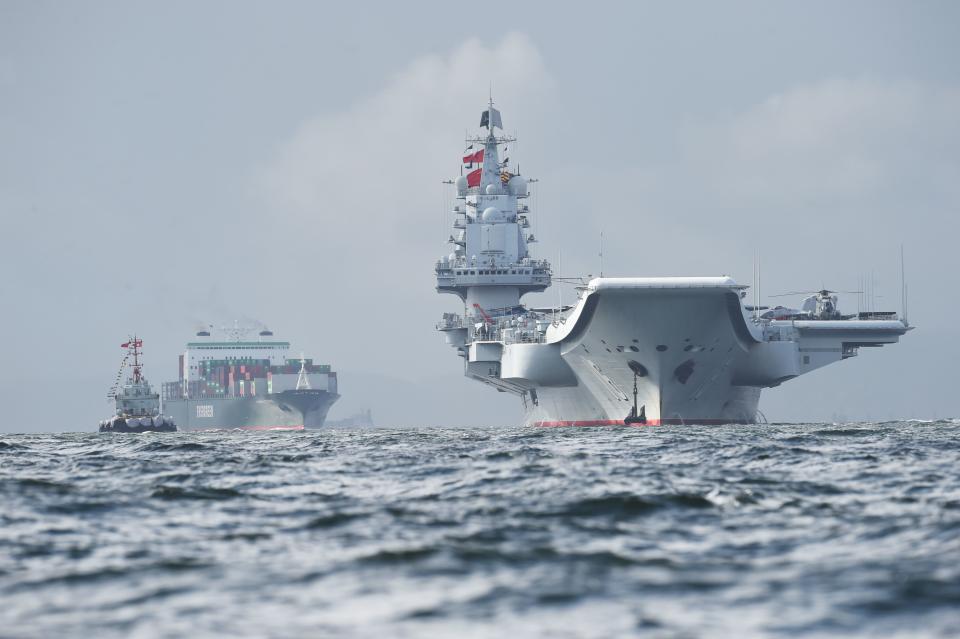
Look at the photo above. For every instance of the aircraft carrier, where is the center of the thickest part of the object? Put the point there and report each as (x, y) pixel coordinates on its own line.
(244, 378)
(631, 350)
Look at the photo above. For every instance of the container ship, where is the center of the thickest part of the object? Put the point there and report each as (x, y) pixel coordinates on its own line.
(630, 350)
(244, 378)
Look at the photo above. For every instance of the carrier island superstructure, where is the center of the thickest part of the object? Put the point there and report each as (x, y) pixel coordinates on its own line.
(635, 350)
(244, 378)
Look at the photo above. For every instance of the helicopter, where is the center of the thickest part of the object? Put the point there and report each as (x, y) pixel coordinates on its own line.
(820, 305)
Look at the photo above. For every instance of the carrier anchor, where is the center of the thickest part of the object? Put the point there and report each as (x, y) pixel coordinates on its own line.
(636, 417)
(633, 418)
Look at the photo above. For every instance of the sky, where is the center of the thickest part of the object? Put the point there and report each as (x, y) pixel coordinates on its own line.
(166, 165)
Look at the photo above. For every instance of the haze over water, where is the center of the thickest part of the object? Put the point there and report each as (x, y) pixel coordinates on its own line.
(767, 530)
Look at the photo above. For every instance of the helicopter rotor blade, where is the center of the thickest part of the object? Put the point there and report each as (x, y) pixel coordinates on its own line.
(821, 291)
(794, 293)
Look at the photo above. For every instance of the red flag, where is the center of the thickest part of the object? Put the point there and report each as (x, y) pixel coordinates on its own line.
(470, 158)
(473, 177)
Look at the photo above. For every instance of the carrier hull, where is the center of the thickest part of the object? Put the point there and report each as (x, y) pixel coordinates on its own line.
(685, 342)
(288, 410)
(688, 344)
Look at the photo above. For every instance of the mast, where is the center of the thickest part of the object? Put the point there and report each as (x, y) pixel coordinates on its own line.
(903, 289)
(601, 254)
(136, 360)
(303, 382)
(490, 266)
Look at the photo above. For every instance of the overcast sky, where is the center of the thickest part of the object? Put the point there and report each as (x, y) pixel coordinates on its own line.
(166, 164)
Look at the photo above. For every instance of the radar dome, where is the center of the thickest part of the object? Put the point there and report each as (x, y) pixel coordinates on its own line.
(490, 214)
(461, 183)
(492, 189)
(518, 185)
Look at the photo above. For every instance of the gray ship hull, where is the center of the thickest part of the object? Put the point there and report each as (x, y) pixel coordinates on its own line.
(287, 410)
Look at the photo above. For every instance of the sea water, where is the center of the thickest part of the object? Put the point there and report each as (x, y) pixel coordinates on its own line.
(675, 531)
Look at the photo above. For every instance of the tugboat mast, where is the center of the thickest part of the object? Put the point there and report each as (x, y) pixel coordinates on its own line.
(133, 348)
(136, 359)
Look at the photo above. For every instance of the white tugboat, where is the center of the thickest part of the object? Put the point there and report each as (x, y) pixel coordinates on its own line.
(632, 350)
(138, 407)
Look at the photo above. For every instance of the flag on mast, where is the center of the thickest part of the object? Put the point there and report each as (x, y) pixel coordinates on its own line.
(473, 177)
(473, 156)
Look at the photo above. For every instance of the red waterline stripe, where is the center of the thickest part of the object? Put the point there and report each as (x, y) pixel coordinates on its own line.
(619, 422)
(257, 427)
(590, 422)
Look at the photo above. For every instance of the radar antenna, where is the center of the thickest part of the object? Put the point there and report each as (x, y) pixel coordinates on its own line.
(236, 332)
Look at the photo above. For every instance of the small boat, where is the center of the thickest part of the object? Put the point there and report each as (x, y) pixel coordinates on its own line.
(138, 407)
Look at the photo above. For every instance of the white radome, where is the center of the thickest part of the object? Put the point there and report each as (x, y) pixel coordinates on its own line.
(518, 186)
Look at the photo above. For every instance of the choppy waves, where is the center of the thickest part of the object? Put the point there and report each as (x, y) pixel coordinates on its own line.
(779, 530)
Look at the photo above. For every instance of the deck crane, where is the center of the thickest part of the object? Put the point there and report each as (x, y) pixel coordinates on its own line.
(486, 318)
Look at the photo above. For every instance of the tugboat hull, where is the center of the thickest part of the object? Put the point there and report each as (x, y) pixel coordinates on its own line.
(138, 425)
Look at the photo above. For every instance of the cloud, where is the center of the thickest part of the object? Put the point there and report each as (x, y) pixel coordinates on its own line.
(840, 157)
(825, 180)
(375, 168)
(839, 140)
(358, 193)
